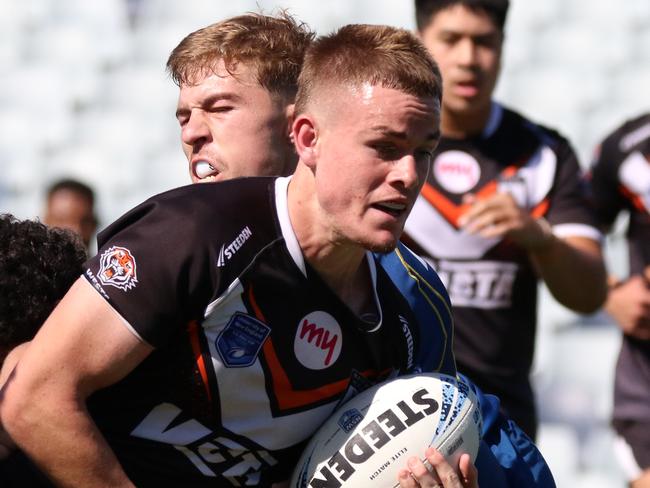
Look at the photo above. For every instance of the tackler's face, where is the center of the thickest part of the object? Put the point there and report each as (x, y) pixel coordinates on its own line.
(231, 126)
(373, 153)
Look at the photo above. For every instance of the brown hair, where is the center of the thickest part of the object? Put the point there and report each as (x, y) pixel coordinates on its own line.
(379, 55)
(273, 46)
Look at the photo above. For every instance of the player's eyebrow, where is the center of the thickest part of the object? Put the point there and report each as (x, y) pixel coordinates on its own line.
(211, 100)
(402, 135)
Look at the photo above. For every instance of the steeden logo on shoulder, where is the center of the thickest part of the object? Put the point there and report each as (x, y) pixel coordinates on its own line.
(227, 252)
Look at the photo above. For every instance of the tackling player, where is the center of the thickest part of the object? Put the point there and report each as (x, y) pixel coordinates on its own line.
(501, 209)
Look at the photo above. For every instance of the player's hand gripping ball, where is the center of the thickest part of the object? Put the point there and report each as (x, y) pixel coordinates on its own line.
(367, 441)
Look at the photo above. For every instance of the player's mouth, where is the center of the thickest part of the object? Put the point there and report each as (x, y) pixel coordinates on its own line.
(466, 89)
(393, 208)
(204, 171)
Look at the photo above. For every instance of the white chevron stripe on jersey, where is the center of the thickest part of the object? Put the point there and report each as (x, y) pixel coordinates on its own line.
(538, 173)
(634, 174)
(425, 221)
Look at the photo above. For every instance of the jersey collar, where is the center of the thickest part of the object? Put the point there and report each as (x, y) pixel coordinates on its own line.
(496, 114)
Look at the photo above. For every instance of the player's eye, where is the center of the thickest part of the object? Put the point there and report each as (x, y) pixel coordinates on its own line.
(387, 151)
(222, 109)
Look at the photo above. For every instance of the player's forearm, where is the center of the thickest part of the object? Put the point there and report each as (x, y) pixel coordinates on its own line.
(574, 273)
(62, 440)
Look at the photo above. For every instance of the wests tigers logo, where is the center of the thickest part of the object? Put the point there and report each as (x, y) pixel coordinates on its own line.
(117, 268)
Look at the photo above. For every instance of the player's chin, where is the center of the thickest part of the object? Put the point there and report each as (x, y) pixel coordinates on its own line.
(382, 245)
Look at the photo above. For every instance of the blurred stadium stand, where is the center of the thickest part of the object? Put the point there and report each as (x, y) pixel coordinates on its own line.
(84, 94)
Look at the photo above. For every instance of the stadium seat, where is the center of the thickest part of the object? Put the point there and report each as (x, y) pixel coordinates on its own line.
(559, 446)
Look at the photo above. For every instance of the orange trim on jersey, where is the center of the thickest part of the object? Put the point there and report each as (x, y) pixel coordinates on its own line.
(634, 198)
(285, 394)
(450, 211)
(193, 329)
(256, 308)
(540, 209)
(447, 209)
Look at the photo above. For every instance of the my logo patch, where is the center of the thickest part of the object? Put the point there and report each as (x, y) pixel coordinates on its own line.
(239, 343)
(456, 171)
(318, 340)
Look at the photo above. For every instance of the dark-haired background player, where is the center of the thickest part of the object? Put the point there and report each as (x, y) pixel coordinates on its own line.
(502, 208)
(70, 204)
(620, 178)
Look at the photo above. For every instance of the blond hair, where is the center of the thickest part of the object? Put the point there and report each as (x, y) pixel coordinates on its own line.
(378, 55)
(273, 46)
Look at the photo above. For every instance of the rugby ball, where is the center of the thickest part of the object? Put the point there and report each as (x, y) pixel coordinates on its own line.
(368, 440)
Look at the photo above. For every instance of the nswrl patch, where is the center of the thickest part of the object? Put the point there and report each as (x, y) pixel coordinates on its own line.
(239, 343)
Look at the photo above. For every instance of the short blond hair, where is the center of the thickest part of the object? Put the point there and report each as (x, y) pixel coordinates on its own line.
(378, 55)
(273, 46)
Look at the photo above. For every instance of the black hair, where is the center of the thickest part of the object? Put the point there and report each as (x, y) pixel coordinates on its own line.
(38, 265)
(426, 9)
(73, 186)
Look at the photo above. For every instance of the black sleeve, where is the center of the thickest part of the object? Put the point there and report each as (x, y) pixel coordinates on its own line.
(605, 194)
(569, 200)
(153, 265)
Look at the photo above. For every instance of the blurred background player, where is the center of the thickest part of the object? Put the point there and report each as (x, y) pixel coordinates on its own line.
(620, 178)
(501, 209)
(70, 204)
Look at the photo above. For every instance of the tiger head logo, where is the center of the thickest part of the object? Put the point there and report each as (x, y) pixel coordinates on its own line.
(117, 268)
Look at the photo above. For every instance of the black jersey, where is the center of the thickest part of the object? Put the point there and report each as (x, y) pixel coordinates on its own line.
(491, 282)
(620, 179)
(252, 350)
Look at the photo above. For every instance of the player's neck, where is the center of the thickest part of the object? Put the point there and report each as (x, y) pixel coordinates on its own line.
(341, 265)
(461, 125)
(350, 280)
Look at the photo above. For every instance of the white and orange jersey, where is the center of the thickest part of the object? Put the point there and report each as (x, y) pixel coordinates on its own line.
(620, 181)
(491, 282)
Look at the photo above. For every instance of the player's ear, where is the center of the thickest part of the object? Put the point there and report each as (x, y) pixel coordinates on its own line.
(290, 112)
(305, 138)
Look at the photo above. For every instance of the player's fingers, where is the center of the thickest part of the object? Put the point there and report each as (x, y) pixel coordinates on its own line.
(446, 473)
(406, 480)
(422, 475)
(480, 222)
(468, 472)
(476, 209)
(495, 230)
